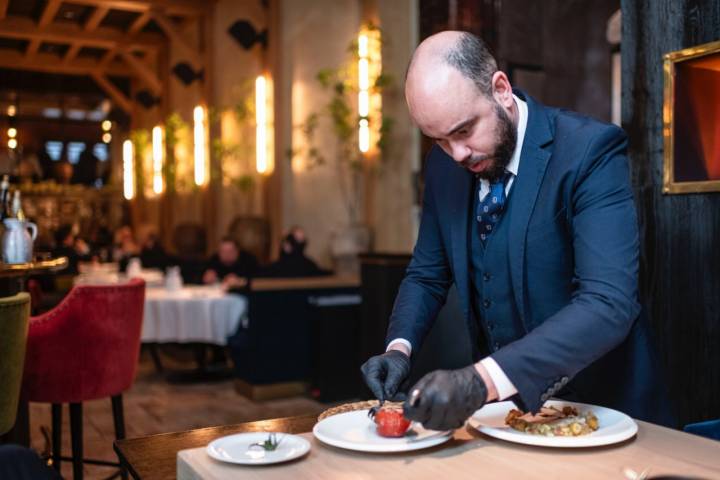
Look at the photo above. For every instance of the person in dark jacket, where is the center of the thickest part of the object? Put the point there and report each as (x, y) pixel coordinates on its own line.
(152, 254)
(292, 261)
(230, 263)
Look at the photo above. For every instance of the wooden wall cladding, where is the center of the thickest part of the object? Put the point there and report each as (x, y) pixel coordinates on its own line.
(680, 234)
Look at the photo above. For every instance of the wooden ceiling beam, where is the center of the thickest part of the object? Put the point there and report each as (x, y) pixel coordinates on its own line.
(50, 63)
(113, 92)
(191, 54)
(102, 37)
(96, 18)
(72, 52)
(49, 12)
(3, 8)
(32, 48)
(172, 7)
(146, 75)
(139, 22)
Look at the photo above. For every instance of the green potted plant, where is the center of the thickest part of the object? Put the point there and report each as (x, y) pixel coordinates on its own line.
(353, 167)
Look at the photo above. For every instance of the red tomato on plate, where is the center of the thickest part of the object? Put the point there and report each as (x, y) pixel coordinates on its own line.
(391, 422)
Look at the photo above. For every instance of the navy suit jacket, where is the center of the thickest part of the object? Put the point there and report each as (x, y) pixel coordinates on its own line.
(573, 252)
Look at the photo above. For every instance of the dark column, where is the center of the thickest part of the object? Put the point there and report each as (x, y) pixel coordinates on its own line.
(680, 234)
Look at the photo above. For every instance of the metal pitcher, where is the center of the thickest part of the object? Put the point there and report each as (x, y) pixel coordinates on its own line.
(17, 245)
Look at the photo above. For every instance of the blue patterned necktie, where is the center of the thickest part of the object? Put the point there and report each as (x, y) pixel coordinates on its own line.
(491, 207)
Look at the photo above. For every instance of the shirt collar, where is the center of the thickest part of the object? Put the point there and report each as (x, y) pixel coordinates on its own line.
(514, 164)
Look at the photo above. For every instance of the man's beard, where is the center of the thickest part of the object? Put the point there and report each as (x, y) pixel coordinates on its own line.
(506, 138)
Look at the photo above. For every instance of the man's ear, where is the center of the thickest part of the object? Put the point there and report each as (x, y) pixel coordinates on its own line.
(502, 90)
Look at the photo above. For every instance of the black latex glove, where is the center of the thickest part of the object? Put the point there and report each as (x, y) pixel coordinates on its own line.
(384, 373)
(444, 399)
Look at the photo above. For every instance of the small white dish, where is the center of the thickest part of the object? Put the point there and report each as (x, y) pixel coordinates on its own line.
(356, 431)
(614, 426)
(236, 448)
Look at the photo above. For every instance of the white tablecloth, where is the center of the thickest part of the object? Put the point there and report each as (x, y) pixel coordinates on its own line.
(202, 314)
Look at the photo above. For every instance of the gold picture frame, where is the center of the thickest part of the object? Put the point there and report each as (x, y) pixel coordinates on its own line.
(691, 113)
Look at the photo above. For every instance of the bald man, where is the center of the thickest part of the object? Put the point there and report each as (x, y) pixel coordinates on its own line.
(529, 211)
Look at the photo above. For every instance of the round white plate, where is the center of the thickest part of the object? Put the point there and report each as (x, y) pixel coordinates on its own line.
(614, 426)
(356, 431)
(234, 448)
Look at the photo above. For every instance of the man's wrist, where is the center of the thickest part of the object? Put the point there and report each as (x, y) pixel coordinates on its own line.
(492, 393)
(400, 347)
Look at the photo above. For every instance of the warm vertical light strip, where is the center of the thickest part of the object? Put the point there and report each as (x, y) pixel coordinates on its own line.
(364, 136)
(261, 159)
(363, 104)
(200, 145)
(363, 74)
(128, 170)
(363, 94)
(362, 45)
(157, 157)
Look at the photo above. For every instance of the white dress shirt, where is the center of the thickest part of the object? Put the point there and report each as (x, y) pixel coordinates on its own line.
(504, 386)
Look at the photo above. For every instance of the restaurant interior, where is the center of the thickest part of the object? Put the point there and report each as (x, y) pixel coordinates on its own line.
(209, 207)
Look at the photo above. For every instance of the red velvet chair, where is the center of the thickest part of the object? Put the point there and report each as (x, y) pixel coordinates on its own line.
(86, 348)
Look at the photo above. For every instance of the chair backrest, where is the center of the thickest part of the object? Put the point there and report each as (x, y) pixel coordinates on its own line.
(87, 347)
(14, 314)
(253, 235)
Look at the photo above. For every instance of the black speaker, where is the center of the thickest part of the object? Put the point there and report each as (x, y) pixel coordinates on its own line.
(147, 99)
(185, 73)
(245, 34)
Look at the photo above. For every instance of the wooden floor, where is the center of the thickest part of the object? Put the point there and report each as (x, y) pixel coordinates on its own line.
(155, 406)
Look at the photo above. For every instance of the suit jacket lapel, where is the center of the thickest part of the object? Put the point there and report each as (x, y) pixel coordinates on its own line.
(460, 198)
(533, 162)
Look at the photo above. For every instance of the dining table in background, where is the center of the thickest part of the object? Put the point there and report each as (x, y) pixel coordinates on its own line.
(191, 314)
(469, 454)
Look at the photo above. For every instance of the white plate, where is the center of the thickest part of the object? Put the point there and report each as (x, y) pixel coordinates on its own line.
(356, 431)
(234, 448)
(614, 426)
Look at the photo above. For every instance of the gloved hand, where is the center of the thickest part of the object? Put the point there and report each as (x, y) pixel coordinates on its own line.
(384, 373)
(444, 399)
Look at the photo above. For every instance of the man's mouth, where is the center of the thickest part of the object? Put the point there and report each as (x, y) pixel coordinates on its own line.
(479, 165)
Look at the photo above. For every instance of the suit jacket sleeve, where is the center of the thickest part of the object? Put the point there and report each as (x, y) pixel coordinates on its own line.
(424, 289)
(603, 305)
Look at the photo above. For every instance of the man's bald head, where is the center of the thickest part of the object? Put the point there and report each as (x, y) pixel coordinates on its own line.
(462, 51)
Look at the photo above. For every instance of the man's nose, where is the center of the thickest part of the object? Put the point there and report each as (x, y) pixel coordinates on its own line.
(460, 152)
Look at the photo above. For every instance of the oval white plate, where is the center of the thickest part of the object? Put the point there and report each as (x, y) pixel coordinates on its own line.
(355, 431)
(614, 426)
(234, 448)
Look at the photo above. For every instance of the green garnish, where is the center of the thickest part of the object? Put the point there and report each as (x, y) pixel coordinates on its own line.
(270, 444)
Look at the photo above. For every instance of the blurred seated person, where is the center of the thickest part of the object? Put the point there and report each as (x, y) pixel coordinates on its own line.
(292, 261)
(230, 264)
(124, 246)
(85, 171)
(152, 254)
(68, 244)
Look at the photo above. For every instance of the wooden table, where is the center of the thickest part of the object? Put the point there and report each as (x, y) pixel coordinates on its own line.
(13, 275)
(468, 455)
(154, 457)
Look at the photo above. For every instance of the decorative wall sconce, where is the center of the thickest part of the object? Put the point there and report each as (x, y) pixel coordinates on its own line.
(200, 145)
(158, 154)
(264, 155)
(245, 34)
(369, 102)
(128, 170)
